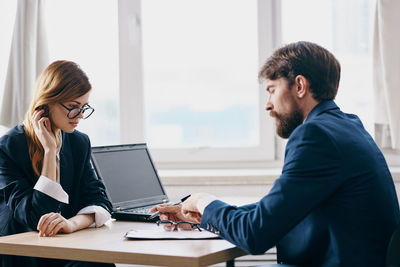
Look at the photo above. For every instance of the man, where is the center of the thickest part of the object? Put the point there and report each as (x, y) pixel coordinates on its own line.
(335, 203)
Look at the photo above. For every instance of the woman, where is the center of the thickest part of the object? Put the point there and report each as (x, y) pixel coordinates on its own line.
(46, 179)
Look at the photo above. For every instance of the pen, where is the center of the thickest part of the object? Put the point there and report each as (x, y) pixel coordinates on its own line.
(157, 213)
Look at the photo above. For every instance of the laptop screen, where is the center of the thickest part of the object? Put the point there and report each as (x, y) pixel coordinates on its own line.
(129, 175)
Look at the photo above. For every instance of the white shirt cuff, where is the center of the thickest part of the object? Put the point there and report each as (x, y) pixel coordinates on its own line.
(204, 201)
(101, 216)
(51, 188)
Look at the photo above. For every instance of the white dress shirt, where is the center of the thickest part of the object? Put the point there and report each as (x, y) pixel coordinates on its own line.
(55, 190)
(204, 201)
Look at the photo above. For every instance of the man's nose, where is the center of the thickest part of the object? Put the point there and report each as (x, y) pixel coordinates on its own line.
(268, 106)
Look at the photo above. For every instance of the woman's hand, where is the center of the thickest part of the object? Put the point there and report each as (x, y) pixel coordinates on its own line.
(42, 128)
(52, 223)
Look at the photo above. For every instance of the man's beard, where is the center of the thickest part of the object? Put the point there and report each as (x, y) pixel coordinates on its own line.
(287, 123)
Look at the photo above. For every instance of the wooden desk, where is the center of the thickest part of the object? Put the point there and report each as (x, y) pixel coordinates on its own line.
(107, 244)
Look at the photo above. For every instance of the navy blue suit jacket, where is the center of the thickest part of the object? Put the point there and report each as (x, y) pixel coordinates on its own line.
(333, 205)
(21, 206)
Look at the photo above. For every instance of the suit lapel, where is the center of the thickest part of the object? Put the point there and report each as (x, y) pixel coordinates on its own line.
(66, 166)
(24, 158)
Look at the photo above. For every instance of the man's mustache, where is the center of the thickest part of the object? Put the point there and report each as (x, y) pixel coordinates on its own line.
(274, 114)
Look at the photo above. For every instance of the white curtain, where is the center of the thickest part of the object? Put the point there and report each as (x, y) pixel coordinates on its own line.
(386, 73)
(28, 57)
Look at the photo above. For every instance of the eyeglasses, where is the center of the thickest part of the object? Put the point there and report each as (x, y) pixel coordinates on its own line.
(86, 111)
(181, 225)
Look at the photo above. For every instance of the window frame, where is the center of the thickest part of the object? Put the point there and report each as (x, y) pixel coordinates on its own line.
(132, 108)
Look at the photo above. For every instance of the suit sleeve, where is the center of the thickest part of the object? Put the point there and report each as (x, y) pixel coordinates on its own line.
(26, 204)
(93, 190)
(310, 175)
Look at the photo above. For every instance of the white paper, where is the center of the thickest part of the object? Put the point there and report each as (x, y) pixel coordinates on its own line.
(162, 234)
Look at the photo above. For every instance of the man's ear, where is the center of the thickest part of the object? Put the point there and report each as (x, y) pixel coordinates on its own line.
(302, 86)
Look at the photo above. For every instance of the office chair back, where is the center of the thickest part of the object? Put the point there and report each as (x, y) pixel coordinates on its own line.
(393, 252)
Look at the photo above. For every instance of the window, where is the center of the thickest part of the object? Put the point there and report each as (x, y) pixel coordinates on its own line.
(182, 75)
(345, 28)
(200, 73)
(200, 86)
(86, 32)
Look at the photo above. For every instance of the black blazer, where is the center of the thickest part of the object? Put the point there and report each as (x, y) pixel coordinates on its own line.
(21, 206)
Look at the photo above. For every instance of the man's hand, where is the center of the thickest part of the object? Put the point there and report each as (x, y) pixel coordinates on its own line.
(174, 213)
(189, 207)
(52, 223)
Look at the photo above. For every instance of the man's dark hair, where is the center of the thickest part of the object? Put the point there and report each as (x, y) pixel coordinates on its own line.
(314, 62)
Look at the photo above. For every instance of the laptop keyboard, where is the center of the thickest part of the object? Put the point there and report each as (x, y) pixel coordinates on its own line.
(143, 210)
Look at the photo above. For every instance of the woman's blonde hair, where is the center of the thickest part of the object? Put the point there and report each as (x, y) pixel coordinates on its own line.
(61, 81)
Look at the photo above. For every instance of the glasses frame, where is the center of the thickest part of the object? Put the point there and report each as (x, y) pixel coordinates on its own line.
(193, 225)
(81, 110)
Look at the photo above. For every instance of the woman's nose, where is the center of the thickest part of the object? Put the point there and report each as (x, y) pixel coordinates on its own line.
(80, 116)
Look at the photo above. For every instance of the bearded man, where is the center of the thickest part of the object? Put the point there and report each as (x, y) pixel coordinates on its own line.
(335, 203)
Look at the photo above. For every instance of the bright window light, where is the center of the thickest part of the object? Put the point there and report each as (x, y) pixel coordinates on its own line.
(200, 73)
(86, 32)
(345, 28)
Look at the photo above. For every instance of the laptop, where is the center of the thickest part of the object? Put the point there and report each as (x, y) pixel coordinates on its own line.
(131, 180)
